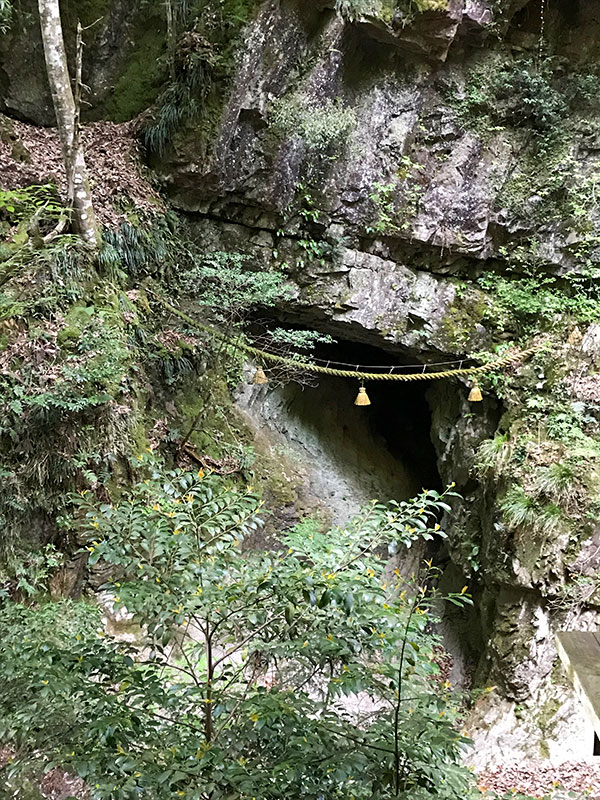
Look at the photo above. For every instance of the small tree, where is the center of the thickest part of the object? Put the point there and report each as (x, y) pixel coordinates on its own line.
(305, 673)
(67, 107)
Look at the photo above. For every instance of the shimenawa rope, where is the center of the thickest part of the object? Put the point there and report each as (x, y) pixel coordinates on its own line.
(264, 356)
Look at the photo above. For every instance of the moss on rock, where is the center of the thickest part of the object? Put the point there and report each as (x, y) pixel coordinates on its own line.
(460, 321)
(140, 82)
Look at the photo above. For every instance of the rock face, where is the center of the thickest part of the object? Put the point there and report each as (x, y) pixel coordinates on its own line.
(413, 169)
(345, 462)
(377, 134)
(123, 39)
(401, 133)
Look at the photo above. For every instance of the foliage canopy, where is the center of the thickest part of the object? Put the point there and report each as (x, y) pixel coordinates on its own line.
(307, 672)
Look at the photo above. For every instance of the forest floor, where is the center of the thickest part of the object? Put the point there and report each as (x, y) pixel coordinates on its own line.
(55, 785)
(32, 155)
(536, 779)
(539, 779)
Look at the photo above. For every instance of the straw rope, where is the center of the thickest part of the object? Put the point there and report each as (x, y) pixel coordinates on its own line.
(265, 357)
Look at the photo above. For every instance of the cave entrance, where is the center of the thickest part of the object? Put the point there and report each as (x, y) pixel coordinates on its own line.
(347, 455)
(399, 416)
(336, 457)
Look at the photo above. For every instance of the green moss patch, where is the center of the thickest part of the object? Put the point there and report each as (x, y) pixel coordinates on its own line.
(139, 85)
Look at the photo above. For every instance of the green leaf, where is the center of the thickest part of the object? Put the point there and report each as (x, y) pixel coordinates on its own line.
(290, 612)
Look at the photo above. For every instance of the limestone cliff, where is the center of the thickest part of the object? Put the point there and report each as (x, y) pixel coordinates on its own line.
(427, 173)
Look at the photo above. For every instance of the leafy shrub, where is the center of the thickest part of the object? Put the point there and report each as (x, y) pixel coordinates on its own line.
(323, 128)
(245, 685)
(523, 93)
(28, 573)
(406, 10)
(526, 304)
(224, 283)
(304, 341)
(526, 97)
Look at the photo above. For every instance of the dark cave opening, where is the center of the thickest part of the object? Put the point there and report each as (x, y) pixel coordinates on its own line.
(353, 454)
(399, 412)
(383, 451)
(538, 13)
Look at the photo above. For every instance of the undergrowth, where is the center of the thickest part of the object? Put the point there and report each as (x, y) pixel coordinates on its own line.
(523, 305)
(204, 41)
(89, 359)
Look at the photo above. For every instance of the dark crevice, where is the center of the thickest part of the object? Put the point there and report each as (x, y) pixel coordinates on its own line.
(194, 216)
(557, 12)
(399, 412)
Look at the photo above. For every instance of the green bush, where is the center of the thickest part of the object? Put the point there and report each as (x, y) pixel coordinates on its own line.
(526, 97)
(525, 304)
(324, 128)
(244, 685)
(225, 283)
(525, 94)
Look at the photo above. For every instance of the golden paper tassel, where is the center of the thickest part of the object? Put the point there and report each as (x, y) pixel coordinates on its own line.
(362, 398)
(475, 395)
(259, 377)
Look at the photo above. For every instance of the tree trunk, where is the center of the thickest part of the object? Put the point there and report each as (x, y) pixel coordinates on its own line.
(67, 118)
(171, 37)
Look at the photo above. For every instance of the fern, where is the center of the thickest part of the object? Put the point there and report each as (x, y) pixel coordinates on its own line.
(324, 129)
(549, 520)
(518, 508)
(182, 99)
(176, 105)
(493, 455)
(558, 481)
(137, 250)
(5, 15)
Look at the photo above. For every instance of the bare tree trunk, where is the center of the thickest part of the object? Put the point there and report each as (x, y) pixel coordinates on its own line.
(66, 108)
(171, 37)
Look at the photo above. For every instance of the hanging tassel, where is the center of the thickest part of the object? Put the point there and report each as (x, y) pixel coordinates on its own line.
(259, 377)
(475, 395)
(362, 398)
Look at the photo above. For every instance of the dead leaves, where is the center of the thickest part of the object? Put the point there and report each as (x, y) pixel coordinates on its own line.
(115, 171)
